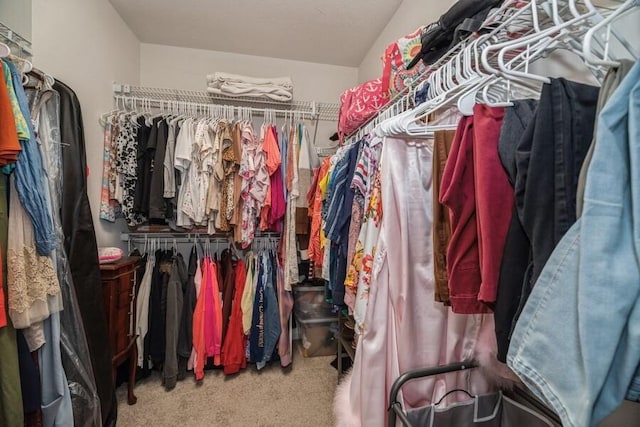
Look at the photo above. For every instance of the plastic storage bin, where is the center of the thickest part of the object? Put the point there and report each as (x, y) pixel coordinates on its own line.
(318, 324)
(319, 337)
(310, 303)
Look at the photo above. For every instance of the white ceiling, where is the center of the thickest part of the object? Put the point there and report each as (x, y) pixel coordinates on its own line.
(338, 32)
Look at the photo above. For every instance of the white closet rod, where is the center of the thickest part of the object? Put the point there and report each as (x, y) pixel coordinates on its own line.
(189, 236)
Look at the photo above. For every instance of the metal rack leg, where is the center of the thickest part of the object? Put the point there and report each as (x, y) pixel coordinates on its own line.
(339, 349)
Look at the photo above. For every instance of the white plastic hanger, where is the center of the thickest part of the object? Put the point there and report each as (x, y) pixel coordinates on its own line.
(587, 50)
(443, 89)
(5, 50)
(467, 100)
(539, 44)
(24, 64)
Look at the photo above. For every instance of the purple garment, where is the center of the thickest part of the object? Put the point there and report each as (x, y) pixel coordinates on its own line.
(278, 203)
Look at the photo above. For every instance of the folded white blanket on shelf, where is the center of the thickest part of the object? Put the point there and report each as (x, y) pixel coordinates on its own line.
(278, 88)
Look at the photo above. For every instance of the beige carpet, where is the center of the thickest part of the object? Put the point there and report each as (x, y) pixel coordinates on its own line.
(301, 396)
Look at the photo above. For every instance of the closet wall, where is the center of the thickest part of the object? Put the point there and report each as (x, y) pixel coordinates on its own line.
(87, 45)
(184, 68)
(17, 15)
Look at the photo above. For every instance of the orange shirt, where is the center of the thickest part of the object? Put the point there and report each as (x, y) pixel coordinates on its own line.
(9, 144)
(273, 161)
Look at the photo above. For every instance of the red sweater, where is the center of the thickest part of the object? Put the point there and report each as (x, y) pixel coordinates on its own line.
(233, 348)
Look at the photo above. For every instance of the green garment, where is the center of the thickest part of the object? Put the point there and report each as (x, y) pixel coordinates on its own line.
(21, 123)
(11, 414)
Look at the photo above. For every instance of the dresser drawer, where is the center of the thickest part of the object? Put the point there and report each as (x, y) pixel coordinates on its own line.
(118, 288)
(125, 293)
(119, 284)
(121, 332)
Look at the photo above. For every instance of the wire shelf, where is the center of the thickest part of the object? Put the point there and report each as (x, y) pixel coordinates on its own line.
(158, 96)
(15, 41)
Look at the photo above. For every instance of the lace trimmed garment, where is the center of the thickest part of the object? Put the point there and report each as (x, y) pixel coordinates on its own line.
(34, 289)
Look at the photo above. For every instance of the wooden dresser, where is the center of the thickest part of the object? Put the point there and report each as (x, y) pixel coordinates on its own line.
(119, 282)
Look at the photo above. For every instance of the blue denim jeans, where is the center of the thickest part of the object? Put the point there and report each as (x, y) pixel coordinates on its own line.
(257, 333)
(577, 341)
(30, 177)
(272, 326)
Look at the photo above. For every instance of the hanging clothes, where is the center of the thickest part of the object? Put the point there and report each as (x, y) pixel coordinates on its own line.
(402, 281)
(258, 333)
(142, 308)
(29, 173)
(594, 261)
(57, 406)
(228, 272)
(9, 143)
(338, 221)
(516, 252)
(228, 169)
(213, 329)
(273, 208)
(156, 337)
(68, 386)
(80, 244)
(360, 273)
(175, 298)
(131, 141)
(315, 238)
(248, 171)
(157, 206)
(290, 247)
(34, 290)
(233, 348)
(11, 414)
(198, 358)
(285, 305)
(185, 339)
(107, 203)
(248, 294)
(237, 205)
(457, 192)
(270, 313)
(442, 142)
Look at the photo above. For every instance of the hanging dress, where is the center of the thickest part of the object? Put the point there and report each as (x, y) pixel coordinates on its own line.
(233, 347)
(404, 328)
(34, 289)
